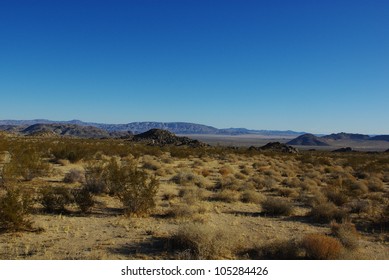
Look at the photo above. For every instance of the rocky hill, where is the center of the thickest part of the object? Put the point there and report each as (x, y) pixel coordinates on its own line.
(276, 147)
(307, 140)
(161, 137)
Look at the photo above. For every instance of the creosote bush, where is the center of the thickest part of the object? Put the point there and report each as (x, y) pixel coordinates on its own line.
(346, 233)
(277, 206)
(55, 199)
(276, 250)
(325, 212)
(134, 187)
(27, 164)
(321, 247)
(186, 178)
(15, 207)
(74, 176)
(84, 199)
(203, 242)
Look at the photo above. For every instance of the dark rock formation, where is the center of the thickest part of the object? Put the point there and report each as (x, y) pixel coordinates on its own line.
(275, 147)
(161, 137)
(343, 150)
(307, 140)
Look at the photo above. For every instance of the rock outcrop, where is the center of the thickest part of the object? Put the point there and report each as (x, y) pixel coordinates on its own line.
(307, 140)
(276, 147)
(160, 137)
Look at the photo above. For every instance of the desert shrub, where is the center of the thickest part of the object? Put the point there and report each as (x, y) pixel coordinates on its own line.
(269, 183)
(26, 163)
(228, 182)
(375, 185)
(84, 199)
(15, 206)
(292, 182)
(336, 196)
(94, 178)
(277, 206)
(186, 178)
(346, 233)
(358, 188)
(74, 176)
(116, 175)
(55, 199)
(138, 192)
(169, 195)
(188, 211)
(246, 170)
(321, 247)
(251, 196)
(276, 250)
(229, 196)
(360, 206)
(72, 151)
(191, 194)
(205, 172)
(151, 164)
(202, 242)
(287, 192)
(226, 170)
(325, 212)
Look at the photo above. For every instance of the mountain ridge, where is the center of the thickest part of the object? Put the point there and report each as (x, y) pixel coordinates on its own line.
(140, 127)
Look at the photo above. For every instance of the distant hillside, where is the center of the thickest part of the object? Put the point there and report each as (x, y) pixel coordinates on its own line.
(65, 130)
(346, 136)
(139, 127)
(307, 140)
(174, 127)
(380, 138)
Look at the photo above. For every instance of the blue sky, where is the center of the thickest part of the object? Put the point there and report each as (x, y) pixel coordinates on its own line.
(315, 66)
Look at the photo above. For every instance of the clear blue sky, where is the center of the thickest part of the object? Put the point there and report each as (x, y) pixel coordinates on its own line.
(316, 66)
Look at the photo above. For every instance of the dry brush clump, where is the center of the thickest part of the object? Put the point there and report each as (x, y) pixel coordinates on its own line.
(26, 164)
(325, 212)
(187, 178)
(252, 196)
(204, 242)
(84, 199)
(321, 247)
(74, 176)
(55, 199)
(276, 206)
(284, 249)
(346, 233)
(226, 195)
(15, 207)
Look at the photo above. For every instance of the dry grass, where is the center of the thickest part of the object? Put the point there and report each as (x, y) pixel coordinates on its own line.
(211, 203)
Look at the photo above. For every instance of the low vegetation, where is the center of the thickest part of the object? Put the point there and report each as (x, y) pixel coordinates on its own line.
(115, 199)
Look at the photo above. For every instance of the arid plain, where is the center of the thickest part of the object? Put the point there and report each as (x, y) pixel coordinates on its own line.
(68, 198)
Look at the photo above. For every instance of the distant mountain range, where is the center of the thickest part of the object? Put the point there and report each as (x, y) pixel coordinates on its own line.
(77, 128)
(137, 127)
(326, 140)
